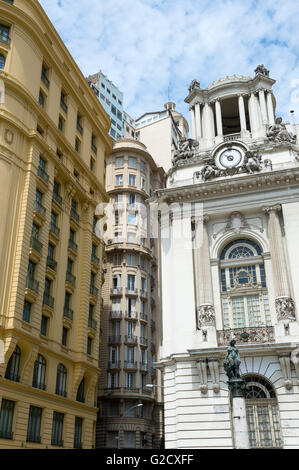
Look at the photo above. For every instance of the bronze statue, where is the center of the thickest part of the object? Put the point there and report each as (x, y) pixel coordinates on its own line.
(232, 361)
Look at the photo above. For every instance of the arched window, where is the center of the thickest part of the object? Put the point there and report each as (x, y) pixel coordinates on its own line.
(80, 392)
(2, 61)
(12, 369)
(262, 413)
(39, 373)
(61, 380)
(243, 285)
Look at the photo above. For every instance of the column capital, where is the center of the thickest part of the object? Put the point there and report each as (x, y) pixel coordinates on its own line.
(191, 107)
(274, 208)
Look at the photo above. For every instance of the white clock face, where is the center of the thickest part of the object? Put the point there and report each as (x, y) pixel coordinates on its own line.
(230, 158)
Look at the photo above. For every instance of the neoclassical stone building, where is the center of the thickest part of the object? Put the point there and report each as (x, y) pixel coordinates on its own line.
(229, 219)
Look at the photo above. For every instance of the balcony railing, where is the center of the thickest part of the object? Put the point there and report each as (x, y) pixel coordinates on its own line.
(130, 365)
(56, 442)
(131, 339)
(54, 229)
(37, 384)
(94, 291)
(131, 291)
(116, 291)
(153, 324)
(74, 215)
(132, 315)
(4, 434)
(92, 324)
(114, 365)
(68, 313)
(229, 137)
(43, 174)
(48, 300)
(70, 278)
(56, 197)
(115, 339)
(143, 293)
(51, 263)
(33, 438)
(117, 314)
(73, 246)
(143, 366)
(36, 245)
(39, 208)
(258, 334)
(143, 340)
(32, 284)
(143, 316)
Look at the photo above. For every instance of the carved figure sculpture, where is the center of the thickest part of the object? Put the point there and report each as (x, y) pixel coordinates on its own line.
(206, 315)
(186, 149)
(278, 132)
(285, 308)
(209, 171)
(252, 162)
(232, 361)
(194, 84)
(262, 70)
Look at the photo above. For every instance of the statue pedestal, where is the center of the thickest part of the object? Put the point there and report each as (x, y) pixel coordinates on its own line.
(240, 426)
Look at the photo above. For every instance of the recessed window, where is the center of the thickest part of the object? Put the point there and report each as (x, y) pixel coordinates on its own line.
(132, 180)
(77, 145)
(92, 164)
(119, 180)
(132, 162)
(2, 61)
(26, 311)
(89, 345)
(63, 101)
(44, 325)
(113, 109)
(44, 75)
(64, 336)
(119, 162)
(79, 123)
(60, 123)
(4, 33)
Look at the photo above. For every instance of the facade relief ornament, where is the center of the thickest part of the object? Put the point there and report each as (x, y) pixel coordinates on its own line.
(8, 136)
(285, 308)
(252, 163)
(236, 222)
(187, 149)
(278, 133)
(261, 70)
(194, 84)
(206, 316)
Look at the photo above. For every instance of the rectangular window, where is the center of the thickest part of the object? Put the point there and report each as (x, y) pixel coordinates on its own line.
(132, 180)
(130, 379)
(129, 440)
(143, 263)
(113, 109)
(4, 33)
(131, 260)
(34, 424)
(132, 219)
(89, 345)
(78, 433)
(6, 418)
(26, 311)
(119, 180)
(119, 162)
(64, 336)
(113, 380)
(142, 166)
(131, 237)
(132, 162)
(44, 325)
(131, 282)
(111, 440)
(143, 184)
(57, 429)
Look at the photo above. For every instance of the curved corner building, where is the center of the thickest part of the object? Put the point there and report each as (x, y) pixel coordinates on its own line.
(131, 322)
(53, 142)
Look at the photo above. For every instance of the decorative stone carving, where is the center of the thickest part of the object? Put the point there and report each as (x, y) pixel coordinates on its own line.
(236, 222)
(194, 84)
(268, 164)
(261, 69)
(252, 162)
(214, 371)
(8, 136)
(275, 208)
(248, 335)
(285, 308)
(295, 361)
(206, 316)
(186, 149)
(203, 375)
(285, 364)
(278, 133)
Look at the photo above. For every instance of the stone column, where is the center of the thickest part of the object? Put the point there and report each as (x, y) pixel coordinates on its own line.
(240, 423)
(284, 304)
(253, 115)
(198, 121)
(193, 127)
(270, 108)
(263, 106)
(205, 309)
(218, 118)
(242, 112)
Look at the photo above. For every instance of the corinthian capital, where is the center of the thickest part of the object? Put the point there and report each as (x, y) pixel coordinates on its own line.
(269, 209)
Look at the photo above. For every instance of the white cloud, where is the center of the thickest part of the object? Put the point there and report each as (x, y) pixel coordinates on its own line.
(146, 46)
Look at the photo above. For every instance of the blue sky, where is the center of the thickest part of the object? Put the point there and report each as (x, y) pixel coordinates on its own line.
(152, 48)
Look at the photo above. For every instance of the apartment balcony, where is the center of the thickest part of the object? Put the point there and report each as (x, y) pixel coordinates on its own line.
(95, 260)
(129, 365)
(70, 278)
(247, 335)
(92, 324)
(143, 317)
(128, 391)
(57, 198)
(153, 325)
(143, 367)
(33, 438)
(143, 293)
(68, 313)
(131, 315)
(131, 291)
(116, 315)
(73, 246)
(32, 284)
(132, 207)
(51, 263)
(143, 341)
(54, 229)
(230, 137)
(116, 291)
(57, 442)
(40, 209)
(129, 339)
(48, 300)
(4, 434)
(94, 291)
(114, 339)
(114, 365)
(74, 215)
(43, 175)
(36, 245)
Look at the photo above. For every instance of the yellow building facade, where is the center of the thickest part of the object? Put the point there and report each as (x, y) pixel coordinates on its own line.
(53, 143)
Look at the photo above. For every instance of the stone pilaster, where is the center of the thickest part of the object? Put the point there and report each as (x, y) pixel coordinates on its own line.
(263, 105)
(242, 112)
(198, 121)
(193, 126)
(270, 108)
(218, 118)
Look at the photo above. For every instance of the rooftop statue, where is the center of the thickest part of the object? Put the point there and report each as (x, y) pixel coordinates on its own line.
(194, 84)
(261, 69)
(278, 132)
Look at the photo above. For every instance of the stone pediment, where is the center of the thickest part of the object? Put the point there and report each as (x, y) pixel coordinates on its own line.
(229, 79)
